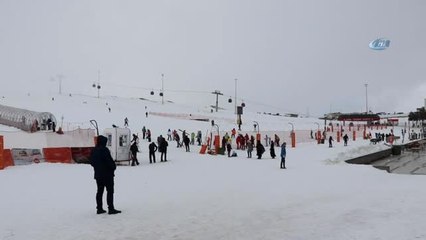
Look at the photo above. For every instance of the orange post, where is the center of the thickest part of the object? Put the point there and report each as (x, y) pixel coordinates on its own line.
(1, 153)
(7, 158)
(338, 136)
(293, 139)
(319, 137)
(217, 143)
(354, 135)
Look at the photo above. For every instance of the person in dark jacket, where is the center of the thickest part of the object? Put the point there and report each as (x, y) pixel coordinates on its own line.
(283, 155)
(330, 141)
(152, 149)
(260, 149)
(228, 148)
(104, 167)
(186, 141)
(345, 139)
(162, 148)
(272, 150)
(134, 151)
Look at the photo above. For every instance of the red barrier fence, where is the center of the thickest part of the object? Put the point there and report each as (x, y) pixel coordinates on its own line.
(57, 155)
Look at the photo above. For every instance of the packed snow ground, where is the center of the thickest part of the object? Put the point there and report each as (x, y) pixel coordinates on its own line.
(195, 196)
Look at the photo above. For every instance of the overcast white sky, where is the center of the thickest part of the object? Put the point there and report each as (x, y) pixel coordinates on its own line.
(301, 55)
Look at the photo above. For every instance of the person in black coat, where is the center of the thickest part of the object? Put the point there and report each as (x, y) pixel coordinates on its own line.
(272, 150)
(228, 148)
(186, 141)
(134, 151)
(104, 167)
(152, 149)
(162, 148)
(260, 149)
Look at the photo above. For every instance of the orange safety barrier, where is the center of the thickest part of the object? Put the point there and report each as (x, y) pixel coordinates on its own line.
(1, 153)
(7, 158)
(319, 137)
(203, 149)
(217, 143)
(57, 155)
(81, 154)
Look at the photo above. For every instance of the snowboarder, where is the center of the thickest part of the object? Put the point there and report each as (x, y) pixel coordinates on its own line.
(104, 167)
(126, 122)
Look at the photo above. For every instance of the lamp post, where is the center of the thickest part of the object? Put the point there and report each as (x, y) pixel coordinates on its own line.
(366, 97)
(217, 93)
(256, 124)
(235, 99)
(162, 88)
(292, 136)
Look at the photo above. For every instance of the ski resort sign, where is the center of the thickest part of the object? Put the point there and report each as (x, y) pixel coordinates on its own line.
(379, 44)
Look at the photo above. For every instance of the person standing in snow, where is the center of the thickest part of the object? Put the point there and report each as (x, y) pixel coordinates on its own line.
(283, 155)
(249, 148)
(330, 141)
(134, 151)
(345, 139)
(162, 148)
(228, 148)
(143, 132)
(152, 149)
(186, 141)
(199, 138)
(192, 138)
(126, 122)
(169, 135)
(260, 149)
(104, 168)
(272, 150)
(148, 135)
